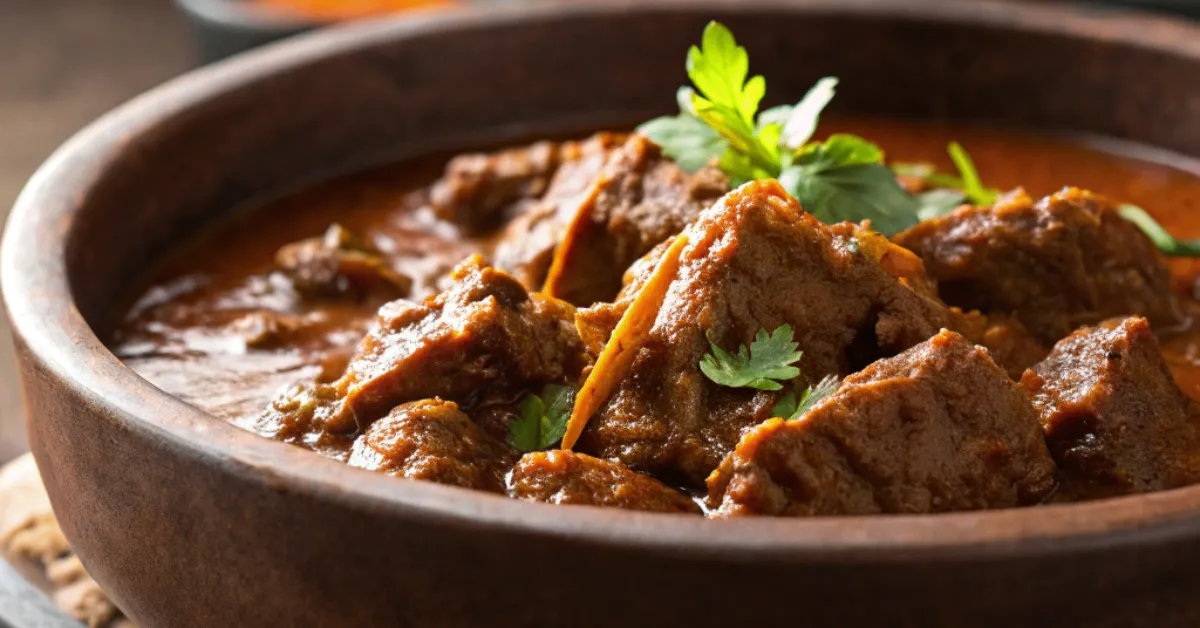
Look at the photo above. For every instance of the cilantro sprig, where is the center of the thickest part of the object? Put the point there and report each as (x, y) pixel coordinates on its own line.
(1161, 238)
(790, 408)
(949, 191)
(543, 419)
(768, 360)
(842, 178)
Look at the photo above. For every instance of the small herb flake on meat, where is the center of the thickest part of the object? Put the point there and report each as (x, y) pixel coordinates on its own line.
(543, 419)
(767, 361)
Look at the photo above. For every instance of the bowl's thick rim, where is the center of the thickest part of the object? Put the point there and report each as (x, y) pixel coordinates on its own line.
(41, 309)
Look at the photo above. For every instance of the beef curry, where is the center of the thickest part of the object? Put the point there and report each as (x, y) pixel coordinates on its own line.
(596, 321)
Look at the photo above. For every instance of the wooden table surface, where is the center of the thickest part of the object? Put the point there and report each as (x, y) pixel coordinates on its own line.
(62, 63)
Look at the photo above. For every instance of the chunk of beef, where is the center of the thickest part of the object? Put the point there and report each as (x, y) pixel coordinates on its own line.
(565, 477)
(1010, 344)
(1115, 421)
(753, 261)
(476, 189)
(483, 336)
(937, 428)
(340, 264)
(433, 440)
(526, 246)
(639, 199)
(596, 323)
(1065, 261)
(601, 215)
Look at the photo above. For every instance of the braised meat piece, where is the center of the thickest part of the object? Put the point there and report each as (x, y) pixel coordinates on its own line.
(753, 261)
(1114, 418)
(483, 336)
(1005, 338)
(565, 477)
(601, 215)
(1062, 262)
(937, 428)
(476, 189)
(639, 199)
(433, 440)
(526, 246)
(340, 264)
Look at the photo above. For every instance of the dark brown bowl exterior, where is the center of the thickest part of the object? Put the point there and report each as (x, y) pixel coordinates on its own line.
(188, 521)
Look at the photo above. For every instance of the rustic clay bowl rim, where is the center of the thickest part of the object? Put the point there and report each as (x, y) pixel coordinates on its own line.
(39, 299)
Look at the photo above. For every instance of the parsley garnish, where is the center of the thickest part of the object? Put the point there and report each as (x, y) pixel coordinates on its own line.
(1161, 238)
(950, 191)
(543, 419)
(842, 178)
(789, 408)
(762, 365)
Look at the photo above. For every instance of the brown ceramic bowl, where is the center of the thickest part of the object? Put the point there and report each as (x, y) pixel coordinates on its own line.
(188, 521)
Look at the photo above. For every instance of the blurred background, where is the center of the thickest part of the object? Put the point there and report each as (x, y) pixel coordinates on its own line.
(64, 62)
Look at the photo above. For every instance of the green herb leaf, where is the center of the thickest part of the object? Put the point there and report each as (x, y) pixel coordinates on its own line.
(719, 68)
(802, 120)
(938, 202)
(727, 101)
(840, 179)
(839, 151)
(543, 419)
(1161, 238)
(789, 408)
(967, 182)
(686, 139)
(844, 179)
(767, 361)
(775, 115)
(972, 186)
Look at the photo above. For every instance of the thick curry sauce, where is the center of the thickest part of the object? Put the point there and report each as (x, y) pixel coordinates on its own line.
(207, 323)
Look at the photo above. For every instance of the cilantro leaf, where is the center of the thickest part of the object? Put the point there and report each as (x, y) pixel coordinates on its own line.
(972, 186)
(1161, 238)
(938, 202)
(967, 183)
(775, 115)
(719, 68)
(768, 359)
(840, 179)
(844, 179)
(686, 139)
(802, 119)
(790, 408)
(839, 151)
(727, 101)
(543, 419)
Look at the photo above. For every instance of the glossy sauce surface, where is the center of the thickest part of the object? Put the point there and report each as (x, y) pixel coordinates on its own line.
(193, 327)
